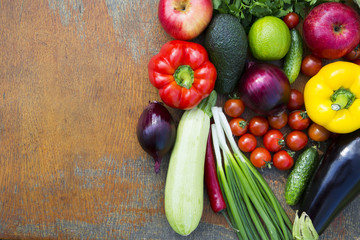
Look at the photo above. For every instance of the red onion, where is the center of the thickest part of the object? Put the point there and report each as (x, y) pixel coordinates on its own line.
(264, 88)
(156, 131)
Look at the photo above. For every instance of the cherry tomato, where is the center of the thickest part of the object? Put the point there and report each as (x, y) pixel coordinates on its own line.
(239, 126)
(311, 65)
(282, 160)
(278, 121)
(291, 20)
(298, 120)
(296, 140)
(258, 125)
(296, 100)
(353, 55)
(260, 157)
(318, 133)
(247, 142)
(273, 140)
(234, 107)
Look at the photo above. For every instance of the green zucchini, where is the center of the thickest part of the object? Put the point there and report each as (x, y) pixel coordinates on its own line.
(184, 188)
(299, 177)
(293, 58)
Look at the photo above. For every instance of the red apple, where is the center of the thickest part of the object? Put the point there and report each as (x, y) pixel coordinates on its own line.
(185, 19)
(331, 30)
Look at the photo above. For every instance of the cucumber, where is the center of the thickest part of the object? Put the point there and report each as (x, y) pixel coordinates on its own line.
(299, 177)
(293, 58)
(184, 187)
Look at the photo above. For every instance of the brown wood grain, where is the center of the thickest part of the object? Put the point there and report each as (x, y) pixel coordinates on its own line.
(73, 82)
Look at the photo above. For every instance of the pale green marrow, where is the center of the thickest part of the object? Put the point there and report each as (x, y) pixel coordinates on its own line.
(184, 188)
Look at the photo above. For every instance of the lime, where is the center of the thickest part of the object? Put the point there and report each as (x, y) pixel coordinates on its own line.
(269, 38)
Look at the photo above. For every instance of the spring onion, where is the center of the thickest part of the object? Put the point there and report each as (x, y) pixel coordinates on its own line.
(252, 206)
(303, 228)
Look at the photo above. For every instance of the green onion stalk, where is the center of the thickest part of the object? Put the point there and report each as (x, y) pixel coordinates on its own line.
(253, 208)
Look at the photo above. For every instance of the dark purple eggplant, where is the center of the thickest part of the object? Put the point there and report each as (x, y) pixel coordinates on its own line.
(156, 131)
(264, 88)
(335, 183)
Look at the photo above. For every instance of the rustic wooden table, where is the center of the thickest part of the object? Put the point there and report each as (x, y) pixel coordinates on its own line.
(73, 82)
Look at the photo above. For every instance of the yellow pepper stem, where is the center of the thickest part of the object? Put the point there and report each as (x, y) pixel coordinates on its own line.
(340, 103)
(342, 98)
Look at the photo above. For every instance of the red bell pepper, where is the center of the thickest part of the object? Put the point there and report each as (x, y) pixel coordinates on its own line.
(183, 74)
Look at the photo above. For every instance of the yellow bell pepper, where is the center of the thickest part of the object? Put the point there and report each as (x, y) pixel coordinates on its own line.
(332, 97)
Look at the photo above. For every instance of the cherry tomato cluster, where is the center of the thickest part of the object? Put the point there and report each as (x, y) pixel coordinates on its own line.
(277, 147)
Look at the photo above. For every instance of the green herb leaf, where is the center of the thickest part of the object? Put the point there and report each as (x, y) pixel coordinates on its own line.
(260, 10)
(250, 10)
(300, 9)
(216, 4)
(234, 10)
(237, 4)
(282, 12)
(312, 2)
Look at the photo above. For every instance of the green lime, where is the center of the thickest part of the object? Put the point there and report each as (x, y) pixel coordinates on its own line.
(269, 38)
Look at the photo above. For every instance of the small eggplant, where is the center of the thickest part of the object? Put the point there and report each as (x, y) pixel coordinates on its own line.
(156, 131)
(335, 183)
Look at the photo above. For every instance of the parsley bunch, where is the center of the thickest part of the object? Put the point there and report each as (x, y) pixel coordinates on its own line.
(250, 10)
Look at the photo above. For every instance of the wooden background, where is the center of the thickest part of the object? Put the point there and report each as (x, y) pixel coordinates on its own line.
(73, 82)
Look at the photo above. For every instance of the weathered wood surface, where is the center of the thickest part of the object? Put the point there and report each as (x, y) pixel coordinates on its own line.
(73, 82)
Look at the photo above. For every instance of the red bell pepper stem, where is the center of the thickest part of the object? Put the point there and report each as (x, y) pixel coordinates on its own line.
(184, 76)
(216, 198)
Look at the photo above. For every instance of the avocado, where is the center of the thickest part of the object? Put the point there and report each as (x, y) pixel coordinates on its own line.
(227, 46)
